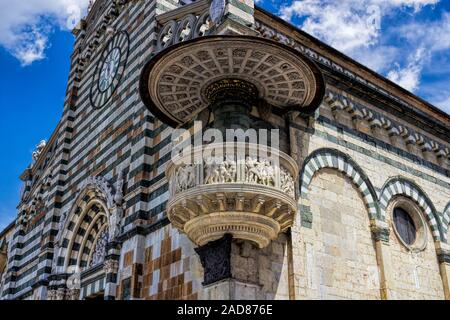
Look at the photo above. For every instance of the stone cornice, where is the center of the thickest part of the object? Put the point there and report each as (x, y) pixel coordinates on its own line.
(44, 152)
(10, 227)
(358, 112)
(197, 8)
(93, 39)
(393, 106)
(143, 230)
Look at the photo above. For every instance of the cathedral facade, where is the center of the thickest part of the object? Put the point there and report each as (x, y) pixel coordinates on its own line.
(350, 198)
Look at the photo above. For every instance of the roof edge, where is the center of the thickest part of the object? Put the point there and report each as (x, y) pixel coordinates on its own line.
(8, 228)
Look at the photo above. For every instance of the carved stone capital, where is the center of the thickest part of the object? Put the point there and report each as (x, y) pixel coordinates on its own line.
(380, 231)
(52, 294)
(73, 294)
(111, 266)
(444, 257)
(443, 252)
(61, 294)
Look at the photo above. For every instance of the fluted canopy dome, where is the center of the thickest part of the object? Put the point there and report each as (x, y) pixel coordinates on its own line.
(175, 84)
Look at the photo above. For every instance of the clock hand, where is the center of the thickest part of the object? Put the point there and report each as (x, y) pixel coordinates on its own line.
(112, 67)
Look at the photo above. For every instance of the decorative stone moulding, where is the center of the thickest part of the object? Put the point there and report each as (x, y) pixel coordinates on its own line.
(338, 103)
(96, 31)
(187, 28)
(249, 195)
(174, 83)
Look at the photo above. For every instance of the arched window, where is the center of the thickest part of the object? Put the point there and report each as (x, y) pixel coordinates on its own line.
(405, 226)
(89, 237)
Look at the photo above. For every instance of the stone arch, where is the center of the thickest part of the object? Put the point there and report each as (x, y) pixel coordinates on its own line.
(341, 244)
(3, 254)
(83, 230)
(335, 159)
(402, 186)
(446, 223)
(3, 263)
(84, 226)
(91, 223)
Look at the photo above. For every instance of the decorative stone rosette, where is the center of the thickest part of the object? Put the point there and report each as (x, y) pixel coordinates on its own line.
(248, 195)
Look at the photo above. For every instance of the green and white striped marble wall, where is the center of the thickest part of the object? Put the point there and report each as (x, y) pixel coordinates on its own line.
(241, 11)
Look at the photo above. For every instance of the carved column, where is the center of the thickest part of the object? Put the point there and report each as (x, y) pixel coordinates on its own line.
(380, 231)
(231, 102)
(111, 267)
(40, 290)
(51, 289)
(443, 251)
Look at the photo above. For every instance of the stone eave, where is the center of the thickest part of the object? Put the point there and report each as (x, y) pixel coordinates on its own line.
(41, 158)
(195, 7)
(418, 118)
(94, 9)
(8, 228)
(412, 102)
(25, 174)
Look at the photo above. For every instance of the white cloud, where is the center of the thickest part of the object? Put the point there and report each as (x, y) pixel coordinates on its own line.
(402, 52)
(30, 46)
(434, 35)
(434, 39)
(377, 57)
(25, 25)
(437, 92)
(347, 25)
(335, 22)
(409, 76)
(416, 4)
(444, 104)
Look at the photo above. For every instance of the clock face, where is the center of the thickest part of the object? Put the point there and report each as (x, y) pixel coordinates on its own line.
(217, 10)
(110, 69)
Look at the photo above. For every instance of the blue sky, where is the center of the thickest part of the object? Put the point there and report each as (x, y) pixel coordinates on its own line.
(406, 40)
(31, 102)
